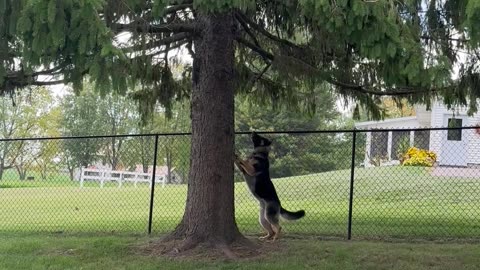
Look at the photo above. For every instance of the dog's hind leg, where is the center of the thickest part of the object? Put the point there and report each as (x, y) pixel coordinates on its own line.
(272, 215)
(262, 218)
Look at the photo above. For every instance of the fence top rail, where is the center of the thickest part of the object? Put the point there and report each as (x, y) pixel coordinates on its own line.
(239, 133)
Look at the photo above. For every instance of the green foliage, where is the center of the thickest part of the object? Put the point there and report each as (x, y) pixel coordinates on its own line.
(472, 22)
(403, 147)
(362, 48)
(81, 118)
(113, 252)
(24, 116)
(174, 151)
(223, 5)
(297, 154)
(88, 115)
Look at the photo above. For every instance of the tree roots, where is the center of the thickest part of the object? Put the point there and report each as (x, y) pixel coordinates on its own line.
(177, 244)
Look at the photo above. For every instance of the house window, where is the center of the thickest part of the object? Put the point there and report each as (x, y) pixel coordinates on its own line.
(400, 143)
(379, 145)
(454, 134)
(421, 139)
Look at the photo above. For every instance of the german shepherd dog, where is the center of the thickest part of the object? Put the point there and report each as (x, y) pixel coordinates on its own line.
(255, 169)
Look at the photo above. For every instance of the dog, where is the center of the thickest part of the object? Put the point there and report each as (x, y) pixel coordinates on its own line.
(255, 170)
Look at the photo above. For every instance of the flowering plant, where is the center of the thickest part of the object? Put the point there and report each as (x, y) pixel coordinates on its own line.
(419, 157)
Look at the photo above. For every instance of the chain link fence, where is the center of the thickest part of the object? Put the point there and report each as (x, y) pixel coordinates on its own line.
(421, 183)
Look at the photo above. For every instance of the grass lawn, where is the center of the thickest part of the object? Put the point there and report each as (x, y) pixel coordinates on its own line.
(122, 252)
(401, 202)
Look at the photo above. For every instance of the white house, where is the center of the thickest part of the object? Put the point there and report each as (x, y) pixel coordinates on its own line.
(453, 147)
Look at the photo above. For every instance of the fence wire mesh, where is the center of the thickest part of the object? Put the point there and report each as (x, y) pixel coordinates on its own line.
(422, 183)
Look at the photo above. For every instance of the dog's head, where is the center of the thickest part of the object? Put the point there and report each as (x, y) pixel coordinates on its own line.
(260, 142)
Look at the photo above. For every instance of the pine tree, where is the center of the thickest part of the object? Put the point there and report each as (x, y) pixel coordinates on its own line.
(270, 50)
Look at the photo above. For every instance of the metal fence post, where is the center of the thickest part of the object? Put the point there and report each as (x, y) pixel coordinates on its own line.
(152, 186)
(352, 178)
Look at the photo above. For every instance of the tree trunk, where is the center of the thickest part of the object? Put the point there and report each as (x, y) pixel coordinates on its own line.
(168, 156)
(113, 159)
(22, 173)
(143, 156)
(70, 172)
(43, 171)
(209, 213)
(2, 169)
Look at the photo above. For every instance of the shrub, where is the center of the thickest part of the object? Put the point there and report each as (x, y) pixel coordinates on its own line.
(419, 157)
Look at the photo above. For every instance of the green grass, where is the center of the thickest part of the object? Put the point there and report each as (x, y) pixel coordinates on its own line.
(122, 252)
(10, 179)
(389, 202)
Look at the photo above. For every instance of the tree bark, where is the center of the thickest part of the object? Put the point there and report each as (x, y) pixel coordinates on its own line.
(209, 213)
(22, 172)
(168, 156)
(2, 168)
(70, 172)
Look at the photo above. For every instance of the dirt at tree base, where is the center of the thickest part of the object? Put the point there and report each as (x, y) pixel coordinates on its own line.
(209, 252)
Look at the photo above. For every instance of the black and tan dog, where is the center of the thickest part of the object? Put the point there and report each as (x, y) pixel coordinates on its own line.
(256, 172)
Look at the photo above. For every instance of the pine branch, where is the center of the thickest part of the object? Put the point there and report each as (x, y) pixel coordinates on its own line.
(259, 76)
(182, 38)
(19, 79)
(426, 37)
(171, 46)
(139, 27)
(261, 30)
(12, 83)
(389, 91)
(247, 29)
(46, 83)
(263, 53)
(50, 71)
(178, 7)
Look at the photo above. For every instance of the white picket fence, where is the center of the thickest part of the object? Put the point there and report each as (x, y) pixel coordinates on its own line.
(102, 176)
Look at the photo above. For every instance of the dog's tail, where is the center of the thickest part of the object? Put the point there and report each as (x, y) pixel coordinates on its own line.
(291, 215)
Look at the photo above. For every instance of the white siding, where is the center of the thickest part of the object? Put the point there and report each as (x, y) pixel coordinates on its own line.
(436, 136)
(472, 138)
(423, 116)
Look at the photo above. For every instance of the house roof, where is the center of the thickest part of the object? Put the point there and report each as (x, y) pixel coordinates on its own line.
(402, 122)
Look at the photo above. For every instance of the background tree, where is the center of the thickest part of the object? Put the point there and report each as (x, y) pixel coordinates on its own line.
(90, 114)
(174, 151)
(297, 154)
(275, 51)
(81, 117)
(119, 116)
(21, 116)
(45, 160)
